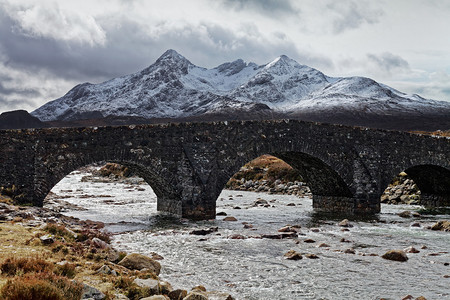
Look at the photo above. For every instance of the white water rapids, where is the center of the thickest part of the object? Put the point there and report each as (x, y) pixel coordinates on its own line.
(254, 268)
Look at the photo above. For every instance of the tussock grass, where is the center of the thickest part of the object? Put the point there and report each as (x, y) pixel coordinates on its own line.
(13, 266)
(41, 286)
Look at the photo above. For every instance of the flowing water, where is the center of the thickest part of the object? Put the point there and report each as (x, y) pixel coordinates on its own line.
(254, 267)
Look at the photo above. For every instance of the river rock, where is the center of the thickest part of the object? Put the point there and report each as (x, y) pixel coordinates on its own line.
(155, 297)
(156, 256)
(324, 245)
(293, 255)
(106, 270)
(309, 241)
(151, 284)
(411, 249)
(287, 228)
(288, 235)
(441, 225)
(311, 256)
(350, 251)
(204, 231)
(345, 223)
(271, 236)
(177, 294)
(396, 255)
(196, 296)
(199, 288)
(237, 236)
(90, 292)
(47, 239)
(232, 219)
(135, 261)
(98, 243)
(165, 287)
(259, 202)
(405, 214)
(221, 213)
(219, 296)
(421, 298)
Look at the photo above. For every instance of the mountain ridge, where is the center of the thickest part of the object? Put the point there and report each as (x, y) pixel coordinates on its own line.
(173, 87)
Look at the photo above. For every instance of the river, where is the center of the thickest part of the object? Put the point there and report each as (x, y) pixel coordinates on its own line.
(253, 267)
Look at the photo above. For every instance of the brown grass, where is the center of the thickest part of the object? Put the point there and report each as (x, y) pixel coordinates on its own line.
(13, 266)
(436, 133)
(266, 167)
(41, 286)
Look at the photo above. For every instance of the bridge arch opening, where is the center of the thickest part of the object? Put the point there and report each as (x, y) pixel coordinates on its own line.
(112, 193)
(427, 185)
(292, 173)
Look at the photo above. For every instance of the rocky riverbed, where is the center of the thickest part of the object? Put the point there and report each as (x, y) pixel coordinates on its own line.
(253, 249)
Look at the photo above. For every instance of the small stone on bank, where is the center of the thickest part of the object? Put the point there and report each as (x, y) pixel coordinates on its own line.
(232, 219)
(135, 261)
(345, 223)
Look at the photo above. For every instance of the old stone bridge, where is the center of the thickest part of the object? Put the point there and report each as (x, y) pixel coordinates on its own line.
(188, 164)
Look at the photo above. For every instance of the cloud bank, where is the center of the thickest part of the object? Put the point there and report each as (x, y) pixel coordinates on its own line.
(48, 47)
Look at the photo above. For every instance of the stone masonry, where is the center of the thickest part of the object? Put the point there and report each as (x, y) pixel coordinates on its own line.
(188, 164)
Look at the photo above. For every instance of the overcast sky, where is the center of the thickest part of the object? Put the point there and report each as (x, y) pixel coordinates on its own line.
(49, 46)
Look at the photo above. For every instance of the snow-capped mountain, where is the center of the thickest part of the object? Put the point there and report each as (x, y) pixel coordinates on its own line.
(173, 87)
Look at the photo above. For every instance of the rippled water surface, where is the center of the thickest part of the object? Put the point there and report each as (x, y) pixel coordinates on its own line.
(254, 268)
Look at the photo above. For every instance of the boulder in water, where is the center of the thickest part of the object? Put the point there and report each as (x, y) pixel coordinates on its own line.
(396, 255)
(345, 223)
(293, 255)
(441, 225)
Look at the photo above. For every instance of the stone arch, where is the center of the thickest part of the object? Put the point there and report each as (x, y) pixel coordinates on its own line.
(325, 183)
(44, 184)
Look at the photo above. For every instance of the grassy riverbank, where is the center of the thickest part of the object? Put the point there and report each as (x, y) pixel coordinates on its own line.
(45, 255)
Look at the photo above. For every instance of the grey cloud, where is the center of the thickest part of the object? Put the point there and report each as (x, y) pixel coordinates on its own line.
(273, 8)
(6, 91)
(129, 48)
(353, 14)
(14, 103)
(388, 62)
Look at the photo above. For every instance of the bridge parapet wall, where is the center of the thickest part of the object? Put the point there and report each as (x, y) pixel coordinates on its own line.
(188, 164)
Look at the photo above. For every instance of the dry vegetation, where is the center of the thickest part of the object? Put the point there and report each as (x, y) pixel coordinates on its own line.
(445, 133)
(266, 167)
(31, 269)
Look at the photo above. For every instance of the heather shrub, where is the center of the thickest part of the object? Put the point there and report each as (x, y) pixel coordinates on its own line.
(41, 286)
(59, 230)
(67, 270)
(12, 266)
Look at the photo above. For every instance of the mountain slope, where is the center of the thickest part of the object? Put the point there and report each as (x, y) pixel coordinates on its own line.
(173, 87)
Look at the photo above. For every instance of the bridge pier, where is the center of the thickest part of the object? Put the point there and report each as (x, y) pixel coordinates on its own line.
(345, 205)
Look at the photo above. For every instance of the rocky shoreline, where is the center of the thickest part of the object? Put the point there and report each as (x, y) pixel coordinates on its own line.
(296, 188)
(40, 247)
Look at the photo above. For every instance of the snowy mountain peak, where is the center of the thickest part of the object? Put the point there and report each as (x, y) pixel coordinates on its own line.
(173, 87)
(172, 57)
